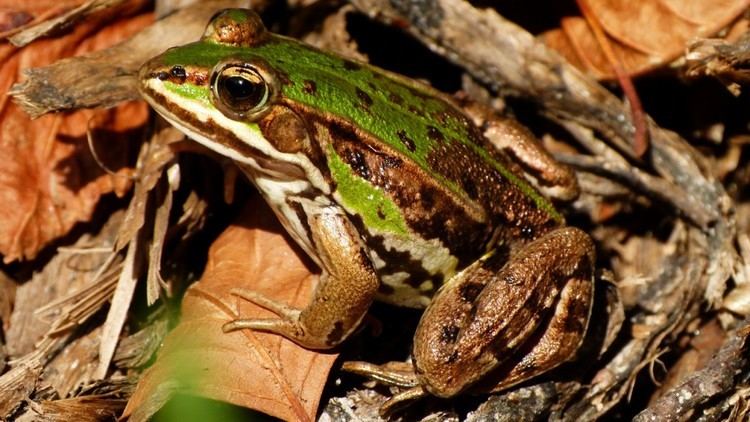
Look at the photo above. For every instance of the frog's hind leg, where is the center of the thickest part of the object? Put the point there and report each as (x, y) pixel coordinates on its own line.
(344, 293)
(507, 323)
(509, 137)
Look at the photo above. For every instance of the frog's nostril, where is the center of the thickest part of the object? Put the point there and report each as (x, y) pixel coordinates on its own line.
(178, 72)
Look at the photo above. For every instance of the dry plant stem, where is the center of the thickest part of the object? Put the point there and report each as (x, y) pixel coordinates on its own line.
(154, 281)
(611, 165)
(87, 407)
(725, 370)
(82, 304)
(507, 58)
(18, 383)
(726, 61)
(107, 77)
(118, 312)
(46, 27)
(153, 157)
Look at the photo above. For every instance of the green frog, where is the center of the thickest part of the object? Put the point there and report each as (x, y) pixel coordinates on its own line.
(397, 193)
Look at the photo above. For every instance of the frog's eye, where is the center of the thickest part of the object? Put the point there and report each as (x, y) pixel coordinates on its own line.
(241, 90)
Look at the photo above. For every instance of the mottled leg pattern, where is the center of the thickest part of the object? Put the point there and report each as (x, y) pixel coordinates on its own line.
(344, 293)
(552, 178)
(521, 317)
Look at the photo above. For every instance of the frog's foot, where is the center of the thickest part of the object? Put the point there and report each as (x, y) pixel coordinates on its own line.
(503, 324)
(288, 323)
(399, 374)
(299, 325)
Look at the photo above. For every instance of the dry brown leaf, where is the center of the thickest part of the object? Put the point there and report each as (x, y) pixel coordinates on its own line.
(100, 10)
(15, 15)
(644, 35)
(49, 173)
(256, 370)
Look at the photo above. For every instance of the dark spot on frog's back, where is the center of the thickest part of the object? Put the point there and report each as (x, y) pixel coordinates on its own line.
(427, 197)
(468, 185)
(381, 214)
(395, 98)
(406, 140)
(435, 134)
(470, 291)
(416, 111)
(357, 162)
(528, 232)
(391, 162)
(449, 334)
(309, 87)
(441, 117)
(364, 97)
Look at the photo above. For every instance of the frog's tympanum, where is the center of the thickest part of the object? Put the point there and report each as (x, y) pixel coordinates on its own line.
(397, 194)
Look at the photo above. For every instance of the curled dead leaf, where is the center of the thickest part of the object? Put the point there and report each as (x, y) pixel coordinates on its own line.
(261, 371)
(644, 35)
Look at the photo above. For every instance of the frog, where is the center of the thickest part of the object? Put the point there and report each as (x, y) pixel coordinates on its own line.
(398, 193)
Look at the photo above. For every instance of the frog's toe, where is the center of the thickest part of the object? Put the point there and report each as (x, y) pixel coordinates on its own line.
(263, 301)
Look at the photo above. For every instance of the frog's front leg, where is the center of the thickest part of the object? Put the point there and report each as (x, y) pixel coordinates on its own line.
(342, 297)
(511, 322)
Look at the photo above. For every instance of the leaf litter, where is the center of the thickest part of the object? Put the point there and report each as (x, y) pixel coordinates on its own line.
(672, 290)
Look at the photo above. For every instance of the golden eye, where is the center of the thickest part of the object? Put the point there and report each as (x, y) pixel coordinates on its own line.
(240, 90)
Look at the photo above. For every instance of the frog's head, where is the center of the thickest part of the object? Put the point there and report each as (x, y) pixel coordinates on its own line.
(224, 94)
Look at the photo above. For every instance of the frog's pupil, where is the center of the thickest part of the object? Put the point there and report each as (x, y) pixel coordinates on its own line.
(240, 88)
(242, 93)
